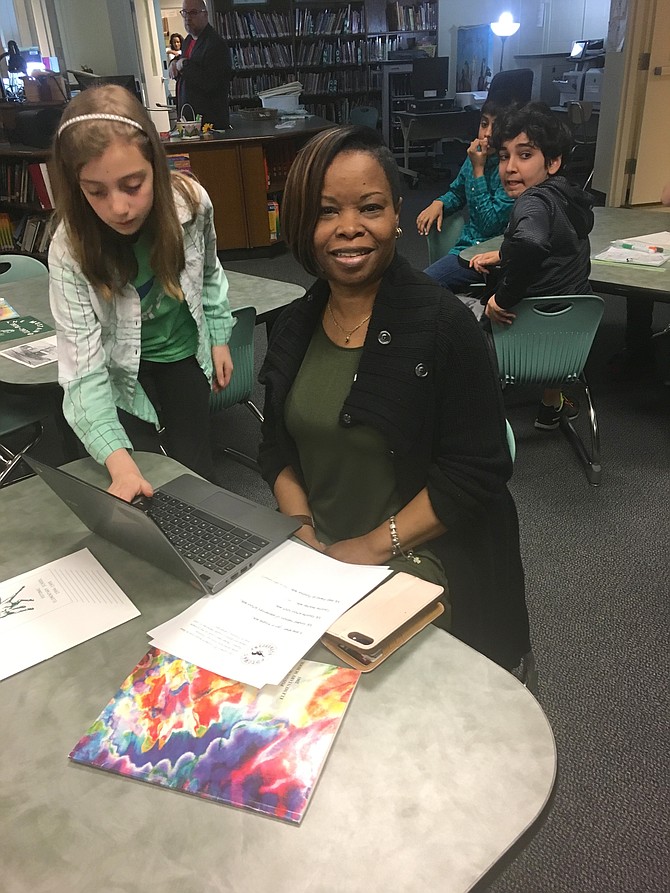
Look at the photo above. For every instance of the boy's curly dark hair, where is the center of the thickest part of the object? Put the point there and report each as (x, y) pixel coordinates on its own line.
(542, 127)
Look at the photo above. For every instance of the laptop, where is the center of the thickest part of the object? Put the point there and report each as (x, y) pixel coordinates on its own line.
(194, 530)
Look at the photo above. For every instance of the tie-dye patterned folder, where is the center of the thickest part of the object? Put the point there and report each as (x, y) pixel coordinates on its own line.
(176, 725)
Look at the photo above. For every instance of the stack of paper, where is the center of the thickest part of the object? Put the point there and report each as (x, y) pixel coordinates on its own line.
(284, 90)
(648, 251)
(264, 623)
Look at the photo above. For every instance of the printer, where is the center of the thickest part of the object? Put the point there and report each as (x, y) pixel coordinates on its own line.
(584, 81)
(593, 86)
(571, 85)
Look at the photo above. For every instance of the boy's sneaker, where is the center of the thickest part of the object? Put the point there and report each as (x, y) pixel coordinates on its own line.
(549, 417)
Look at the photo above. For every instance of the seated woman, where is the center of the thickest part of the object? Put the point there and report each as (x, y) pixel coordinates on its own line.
(384, 429)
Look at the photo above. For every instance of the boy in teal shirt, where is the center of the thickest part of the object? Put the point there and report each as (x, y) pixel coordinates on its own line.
(478, 188)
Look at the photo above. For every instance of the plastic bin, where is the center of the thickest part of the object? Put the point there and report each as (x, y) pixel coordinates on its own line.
(287, 102)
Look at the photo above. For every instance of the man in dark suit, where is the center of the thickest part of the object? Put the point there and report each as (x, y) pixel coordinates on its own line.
(203, 71)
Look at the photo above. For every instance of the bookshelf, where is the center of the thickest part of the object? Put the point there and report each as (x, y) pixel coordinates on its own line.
(25, 202)
(335, 49)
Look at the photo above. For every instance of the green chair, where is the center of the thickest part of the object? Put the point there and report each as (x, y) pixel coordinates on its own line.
(441, 243)
(241, 385)
(14, 267)
(511, 443)
(548, 344)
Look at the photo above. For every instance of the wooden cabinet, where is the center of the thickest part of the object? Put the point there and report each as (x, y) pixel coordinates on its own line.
(243, 170)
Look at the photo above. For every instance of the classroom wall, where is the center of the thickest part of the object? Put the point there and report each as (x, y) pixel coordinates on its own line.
(547, 26)
(86, 34)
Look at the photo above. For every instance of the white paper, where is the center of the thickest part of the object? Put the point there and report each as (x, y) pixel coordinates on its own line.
(628, 256)
(33, 353)
(55, 607)
(261, 625)
(641, 243)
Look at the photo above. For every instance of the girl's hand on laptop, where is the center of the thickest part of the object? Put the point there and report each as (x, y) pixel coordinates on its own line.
(498, 314)
(484, 261)
(127, 481)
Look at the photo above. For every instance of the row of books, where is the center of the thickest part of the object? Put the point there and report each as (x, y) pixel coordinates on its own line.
(6, 232)
(337, 110)
(420, 17)
(380, 45)
(254, 24)
(327, 52)
(276, 55)
(33, 233)
(26, 183)
(278, 159)
(342, 20)
(347, 81)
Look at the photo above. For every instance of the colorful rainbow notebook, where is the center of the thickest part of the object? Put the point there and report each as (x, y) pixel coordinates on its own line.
(176, 725)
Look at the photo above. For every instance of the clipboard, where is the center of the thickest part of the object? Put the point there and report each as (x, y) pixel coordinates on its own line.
(379, 624)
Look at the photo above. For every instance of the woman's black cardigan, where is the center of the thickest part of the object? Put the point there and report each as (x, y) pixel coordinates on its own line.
(427, 382)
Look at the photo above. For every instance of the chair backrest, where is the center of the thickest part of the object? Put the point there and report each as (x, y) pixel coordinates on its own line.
(365, 115)
(578, 114)
(441, 243)
(550, 339)
(511, 442)
(514, 85)
(241, 346)
(14, 267)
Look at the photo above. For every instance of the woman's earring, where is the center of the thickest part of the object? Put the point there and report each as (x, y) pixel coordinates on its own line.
(398, 232)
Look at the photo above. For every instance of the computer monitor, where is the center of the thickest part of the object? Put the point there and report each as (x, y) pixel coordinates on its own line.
(578, 50)
(430, 77)
(86, 79)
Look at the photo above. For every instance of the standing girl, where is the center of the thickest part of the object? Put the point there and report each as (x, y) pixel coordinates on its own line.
(136, 289)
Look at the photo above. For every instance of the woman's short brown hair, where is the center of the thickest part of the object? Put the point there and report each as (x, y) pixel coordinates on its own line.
(107, 259)
(302, 195)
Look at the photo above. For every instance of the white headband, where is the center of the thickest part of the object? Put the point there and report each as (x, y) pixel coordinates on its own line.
(99, 116)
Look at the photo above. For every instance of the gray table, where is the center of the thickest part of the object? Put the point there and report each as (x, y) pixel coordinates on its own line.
(456, 124)
(442, 762)
(31, 298)
(615, 279)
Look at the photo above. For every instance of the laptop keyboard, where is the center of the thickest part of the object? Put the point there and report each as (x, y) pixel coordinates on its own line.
(216, 544)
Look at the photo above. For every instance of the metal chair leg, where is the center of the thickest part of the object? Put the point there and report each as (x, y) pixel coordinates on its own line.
(254, 410)
(10, 460)
(591, 461)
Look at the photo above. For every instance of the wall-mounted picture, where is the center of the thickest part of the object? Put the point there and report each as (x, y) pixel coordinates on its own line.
(474, 58)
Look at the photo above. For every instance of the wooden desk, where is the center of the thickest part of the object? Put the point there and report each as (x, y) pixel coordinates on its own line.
(31, 298)
(235, 167)
(448, 125)
(442, 762)
(615, 279)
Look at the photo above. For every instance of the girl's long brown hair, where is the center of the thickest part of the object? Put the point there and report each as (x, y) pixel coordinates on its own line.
(106, 258)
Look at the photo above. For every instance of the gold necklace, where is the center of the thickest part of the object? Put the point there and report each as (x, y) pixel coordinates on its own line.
(347, 335)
